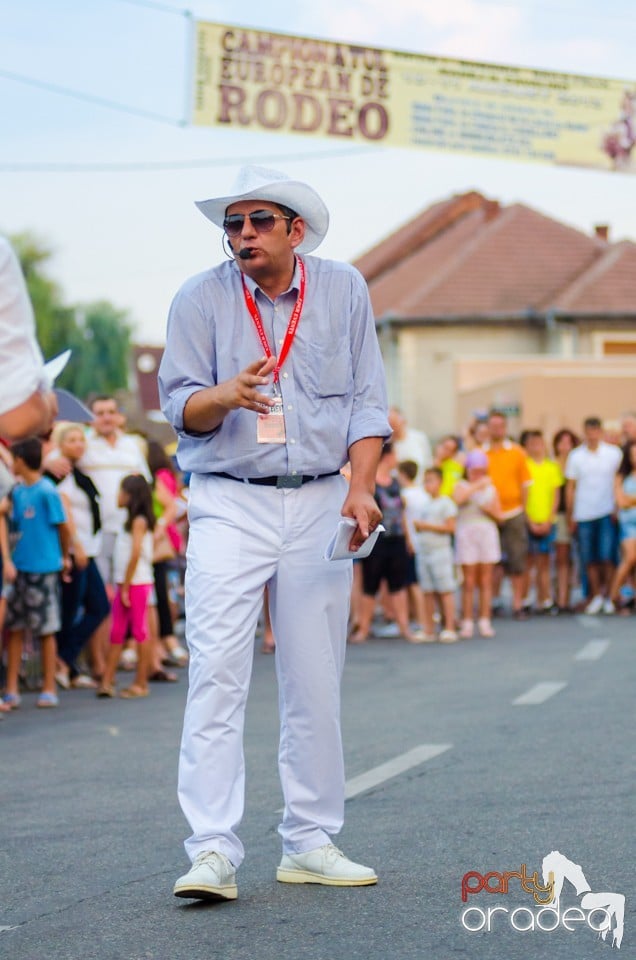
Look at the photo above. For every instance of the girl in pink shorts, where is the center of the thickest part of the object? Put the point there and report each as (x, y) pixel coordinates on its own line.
(134, 578)
(477, 546)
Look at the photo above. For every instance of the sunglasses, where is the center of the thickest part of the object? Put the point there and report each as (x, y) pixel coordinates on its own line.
(262, 220)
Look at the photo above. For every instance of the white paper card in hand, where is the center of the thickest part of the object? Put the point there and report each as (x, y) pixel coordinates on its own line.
(338, 546)
(54, 367)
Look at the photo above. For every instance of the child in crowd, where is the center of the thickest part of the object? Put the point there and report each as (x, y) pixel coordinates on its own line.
(41, 553)
(477, 541)
(542, 506)
(389, 560)
(132, 563)
(414, 498)
(434, 528)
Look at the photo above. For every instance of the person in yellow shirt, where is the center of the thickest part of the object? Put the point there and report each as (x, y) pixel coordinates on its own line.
(509, 473)
(542, 505)
(450, 461)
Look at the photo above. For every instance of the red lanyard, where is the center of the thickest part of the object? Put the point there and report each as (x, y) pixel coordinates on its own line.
(291, 327)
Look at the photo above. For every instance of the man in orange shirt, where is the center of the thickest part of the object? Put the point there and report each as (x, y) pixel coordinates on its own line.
(510, 475)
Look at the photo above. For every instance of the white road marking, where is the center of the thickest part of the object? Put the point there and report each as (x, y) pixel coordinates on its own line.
(593, 650)
(539, 693)
(392, 768)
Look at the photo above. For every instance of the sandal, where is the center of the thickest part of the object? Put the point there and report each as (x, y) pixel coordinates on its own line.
(163, 676)
(62, 679)
(13, 700)
(47, 700)
(104, 692)
(133, 693)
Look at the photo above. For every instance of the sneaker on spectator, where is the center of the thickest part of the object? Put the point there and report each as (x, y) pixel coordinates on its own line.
(608, 606)
(485, 627)
(178, 656)
(594, 606)
(448, 636)
(466, 629)
(83, 682)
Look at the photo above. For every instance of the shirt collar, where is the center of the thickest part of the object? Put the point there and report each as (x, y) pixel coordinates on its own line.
(252, 285)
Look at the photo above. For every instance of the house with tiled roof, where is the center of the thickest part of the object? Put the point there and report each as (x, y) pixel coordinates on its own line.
(479, 304)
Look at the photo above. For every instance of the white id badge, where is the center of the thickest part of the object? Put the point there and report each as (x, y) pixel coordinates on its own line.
(270, 427)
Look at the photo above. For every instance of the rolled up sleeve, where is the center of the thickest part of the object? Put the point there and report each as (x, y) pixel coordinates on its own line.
(369, 413)
(188, 363)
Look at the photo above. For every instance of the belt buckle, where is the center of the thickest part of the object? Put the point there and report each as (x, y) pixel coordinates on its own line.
(289, 482)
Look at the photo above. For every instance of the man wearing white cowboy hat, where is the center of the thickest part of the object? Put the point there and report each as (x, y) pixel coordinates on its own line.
(272, 378)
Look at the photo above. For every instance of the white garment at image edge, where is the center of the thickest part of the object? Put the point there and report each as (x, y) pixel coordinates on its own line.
(594, 473)
(21, 363)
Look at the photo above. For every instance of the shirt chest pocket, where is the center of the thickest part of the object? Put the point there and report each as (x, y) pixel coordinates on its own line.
(329, 368)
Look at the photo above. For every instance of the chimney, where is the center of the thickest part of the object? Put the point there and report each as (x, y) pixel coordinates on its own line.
(601, 230)
(491, 210)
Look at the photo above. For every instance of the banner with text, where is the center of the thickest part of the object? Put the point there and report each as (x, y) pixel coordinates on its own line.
(277, 83)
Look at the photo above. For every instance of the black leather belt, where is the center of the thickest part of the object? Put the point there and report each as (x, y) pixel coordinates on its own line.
(291, 481)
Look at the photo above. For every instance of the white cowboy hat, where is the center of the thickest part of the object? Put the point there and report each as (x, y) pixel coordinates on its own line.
(260, 183)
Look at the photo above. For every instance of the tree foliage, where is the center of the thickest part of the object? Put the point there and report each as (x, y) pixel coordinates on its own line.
(98, 333)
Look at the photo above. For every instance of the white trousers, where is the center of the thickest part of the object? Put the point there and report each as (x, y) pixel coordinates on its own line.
(242, 537)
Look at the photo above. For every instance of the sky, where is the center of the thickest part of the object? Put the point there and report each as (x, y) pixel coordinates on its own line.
(79, 175)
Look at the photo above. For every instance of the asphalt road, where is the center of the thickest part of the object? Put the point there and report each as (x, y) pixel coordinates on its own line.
(91, 830)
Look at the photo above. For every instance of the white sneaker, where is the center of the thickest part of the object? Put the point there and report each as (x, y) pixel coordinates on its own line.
(595, 605)
(448, 636)
(211, 877)
(485, 627)
(608, 606)
(326, 865)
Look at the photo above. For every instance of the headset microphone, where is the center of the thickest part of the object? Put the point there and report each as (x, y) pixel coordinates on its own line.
(245, 253)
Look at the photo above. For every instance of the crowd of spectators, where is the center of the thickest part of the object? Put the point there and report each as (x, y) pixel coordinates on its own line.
(553, 518)
(92, 539)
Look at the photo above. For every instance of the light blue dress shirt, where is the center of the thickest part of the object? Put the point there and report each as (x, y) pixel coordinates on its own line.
(332, 383)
